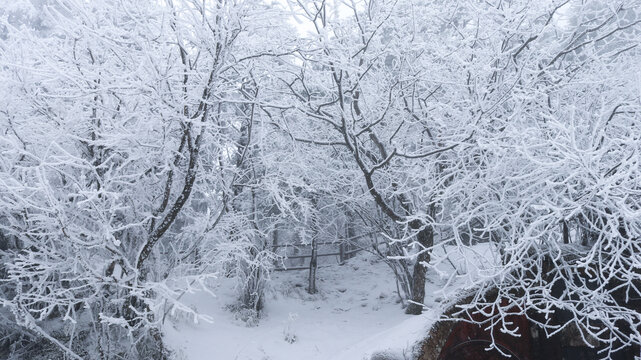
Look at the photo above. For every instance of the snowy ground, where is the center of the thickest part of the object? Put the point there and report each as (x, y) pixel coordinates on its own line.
(356, 301)
(355, 314)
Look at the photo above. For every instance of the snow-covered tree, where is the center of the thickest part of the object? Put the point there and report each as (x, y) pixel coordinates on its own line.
(117, 133)
(551, 170)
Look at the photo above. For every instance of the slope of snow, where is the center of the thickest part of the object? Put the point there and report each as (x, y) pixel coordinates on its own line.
(397, 342)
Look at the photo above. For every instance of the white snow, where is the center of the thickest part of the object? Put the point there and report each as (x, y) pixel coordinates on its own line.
(397, 342)
(354, 314)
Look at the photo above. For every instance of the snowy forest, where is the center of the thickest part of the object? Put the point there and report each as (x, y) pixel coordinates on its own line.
(317, 173)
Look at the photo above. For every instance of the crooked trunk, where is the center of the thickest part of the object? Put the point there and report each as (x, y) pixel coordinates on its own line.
(425, 237)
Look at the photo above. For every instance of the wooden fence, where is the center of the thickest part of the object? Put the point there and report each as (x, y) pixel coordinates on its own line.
(343, 253)
(346, 249)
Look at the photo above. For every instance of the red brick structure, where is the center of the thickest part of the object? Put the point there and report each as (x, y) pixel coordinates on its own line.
(465, 340)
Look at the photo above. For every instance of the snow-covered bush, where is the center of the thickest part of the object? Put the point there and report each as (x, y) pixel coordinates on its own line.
(250, 263)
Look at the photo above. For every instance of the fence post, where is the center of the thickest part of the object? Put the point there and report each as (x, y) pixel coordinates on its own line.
(350, 236)
(313, 264)
(341, 250)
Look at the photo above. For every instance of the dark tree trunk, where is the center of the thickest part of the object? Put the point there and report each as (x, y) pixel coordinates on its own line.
(425, 237)
(346, 246)
(313, 261)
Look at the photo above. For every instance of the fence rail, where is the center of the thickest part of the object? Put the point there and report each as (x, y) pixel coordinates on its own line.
(343, 254)
(305, 245)
(336, 242)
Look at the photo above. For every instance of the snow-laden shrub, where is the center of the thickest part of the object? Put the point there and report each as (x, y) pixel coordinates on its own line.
(241, 253)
